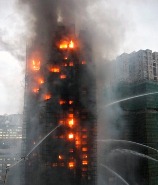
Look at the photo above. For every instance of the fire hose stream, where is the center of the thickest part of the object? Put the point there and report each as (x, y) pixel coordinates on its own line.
(27, 155)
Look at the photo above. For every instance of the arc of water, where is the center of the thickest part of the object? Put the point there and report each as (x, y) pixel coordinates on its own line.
(126, 141)
(18, 161)
(42, 140)
(23, 158)
(129, 98)
(134, 153)
(113, 172)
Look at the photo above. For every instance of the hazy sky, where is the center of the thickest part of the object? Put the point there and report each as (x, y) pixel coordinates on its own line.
(140, 24)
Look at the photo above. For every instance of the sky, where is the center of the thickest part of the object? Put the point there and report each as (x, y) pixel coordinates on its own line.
(139, 31)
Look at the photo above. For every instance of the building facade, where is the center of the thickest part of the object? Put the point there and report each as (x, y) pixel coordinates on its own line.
(61, 92)
(137, 66)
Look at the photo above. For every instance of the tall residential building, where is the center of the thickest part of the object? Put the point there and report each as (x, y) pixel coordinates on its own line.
(137, 66)
(136, 74)
(61, 91)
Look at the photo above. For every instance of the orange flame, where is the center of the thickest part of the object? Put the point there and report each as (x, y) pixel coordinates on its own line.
(71, 122)
(71, 164)
(84, 149)
(70, 102)
(60, 157)
(54, 69)
(35, 65)
(35, 90)
(78, 142)
(47, 96)
(62, 76)
(71, 115)
(63, 45)
(71, 44)
(66, 45)
(65, 64)
(61, 121)
(71, 64)
(40, 80)
(65, 58)
(84, 162)
(84, 156)
(71, 136)
(61, 102)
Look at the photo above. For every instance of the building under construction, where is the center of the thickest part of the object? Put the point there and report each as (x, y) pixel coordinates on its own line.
(136, 74)
(61, 91)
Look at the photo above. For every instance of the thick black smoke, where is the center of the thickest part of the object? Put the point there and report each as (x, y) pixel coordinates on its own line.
(45, 16)
(99, 17)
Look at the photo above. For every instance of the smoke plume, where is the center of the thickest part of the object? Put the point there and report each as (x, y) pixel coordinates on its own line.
(103, 22)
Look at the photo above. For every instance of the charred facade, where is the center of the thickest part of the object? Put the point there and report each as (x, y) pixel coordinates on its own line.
(61, 91)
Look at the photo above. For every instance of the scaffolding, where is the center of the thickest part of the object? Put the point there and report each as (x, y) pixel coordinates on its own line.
(141, 117)
(61, 91)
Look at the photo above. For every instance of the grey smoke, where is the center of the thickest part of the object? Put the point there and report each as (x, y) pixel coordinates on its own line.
(104, 23)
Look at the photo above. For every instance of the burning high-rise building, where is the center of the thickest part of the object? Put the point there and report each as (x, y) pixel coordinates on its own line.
(61, 91)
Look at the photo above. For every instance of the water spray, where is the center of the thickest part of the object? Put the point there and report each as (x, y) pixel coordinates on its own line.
(24, 158)
(113, 172)
(130, 98)
(126, 141)
(134, 153)
(42, 140)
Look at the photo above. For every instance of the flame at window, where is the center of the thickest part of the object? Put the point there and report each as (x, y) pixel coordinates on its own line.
(71, 115)
(65, 64)
(71, 164)
(84, 162)
(71, 45)
(71, 64)
(66, 45)
(47, 96)
(35, 90)
(71, 122)
(84, 156)
(63, 45)
(61, 102)
(60, 157)
(35, 65)
(54, 69)
(84, 149)
(62, 76)
(40, 80)
(70, 102)
(71, 136)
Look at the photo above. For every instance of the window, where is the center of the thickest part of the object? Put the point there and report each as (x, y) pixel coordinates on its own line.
(154, 71)
(84, 149)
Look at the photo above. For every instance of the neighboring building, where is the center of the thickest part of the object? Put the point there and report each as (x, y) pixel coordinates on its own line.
(58, 91)
(137, 66)
(135, 74)
(10, 146)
